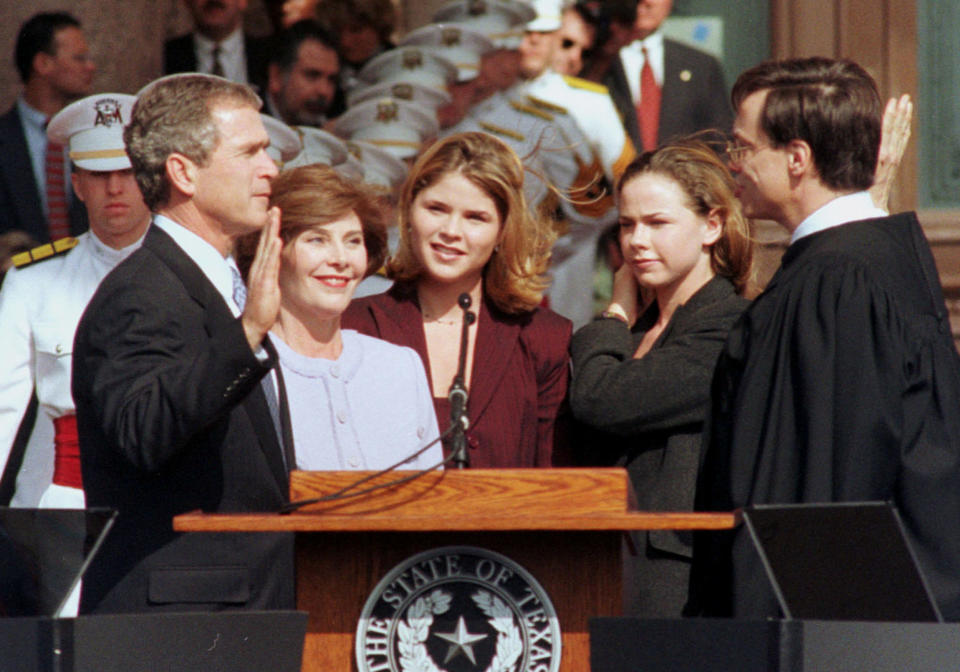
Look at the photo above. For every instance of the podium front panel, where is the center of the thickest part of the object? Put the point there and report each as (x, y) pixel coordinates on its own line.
(336, 573)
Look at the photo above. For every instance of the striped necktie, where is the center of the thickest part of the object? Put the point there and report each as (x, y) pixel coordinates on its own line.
(58, 219)
(217, 68)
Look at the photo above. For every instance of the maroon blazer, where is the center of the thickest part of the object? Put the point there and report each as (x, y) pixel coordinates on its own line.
(518, 390)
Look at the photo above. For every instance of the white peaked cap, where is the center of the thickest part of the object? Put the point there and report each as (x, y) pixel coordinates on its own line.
(93, 128)
(458, 44)
(284, 141)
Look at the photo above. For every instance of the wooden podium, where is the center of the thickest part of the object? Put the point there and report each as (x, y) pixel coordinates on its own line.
(564, 526)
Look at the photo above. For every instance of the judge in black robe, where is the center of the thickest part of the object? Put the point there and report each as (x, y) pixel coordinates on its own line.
(840, 383)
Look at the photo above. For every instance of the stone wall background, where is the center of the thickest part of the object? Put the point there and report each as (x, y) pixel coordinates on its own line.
(126, 38)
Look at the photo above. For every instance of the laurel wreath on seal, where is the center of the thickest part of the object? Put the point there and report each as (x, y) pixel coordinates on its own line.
(500, 618)
(413, 632)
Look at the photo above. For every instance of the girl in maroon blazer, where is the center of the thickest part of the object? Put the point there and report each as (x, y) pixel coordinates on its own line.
(465, 228)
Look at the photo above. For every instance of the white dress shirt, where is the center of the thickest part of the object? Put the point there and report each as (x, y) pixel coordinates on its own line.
(841, 210)
(233, 56)
(632, 58)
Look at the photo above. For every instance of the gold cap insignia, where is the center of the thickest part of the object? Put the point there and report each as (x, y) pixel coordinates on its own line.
(108, 112)
(412, 59)
(387, 111)
(450, 37)
(402, 90)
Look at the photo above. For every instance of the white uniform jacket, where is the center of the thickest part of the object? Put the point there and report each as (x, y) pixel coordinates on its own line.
(40, 307)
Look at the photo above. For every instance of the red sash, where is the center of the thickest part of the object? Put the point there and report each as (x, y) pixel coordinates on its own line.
(66, 463)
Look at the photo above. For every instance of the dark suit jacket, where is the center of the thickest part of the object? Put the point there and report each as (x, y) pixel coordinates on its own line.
(179, 56)
(654, 407)
(688, 103)
(519, 383)
(20, 204)
(172, 418)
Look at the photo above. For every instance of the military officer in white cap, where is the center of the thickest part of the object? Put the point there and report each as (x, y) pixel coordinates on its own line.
(45, 294)
(285, 142)
(427, 97)
(408, 64)
(397, 126)
(588, 103)
(458, 44)
(501, 21)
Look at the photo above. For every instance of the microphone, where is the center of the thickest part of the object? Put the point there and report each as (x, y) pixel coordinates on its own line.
(458, 392)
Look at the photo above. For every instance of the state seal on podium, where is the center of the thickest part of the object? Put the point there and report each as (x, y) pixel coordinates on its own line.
(458, 609)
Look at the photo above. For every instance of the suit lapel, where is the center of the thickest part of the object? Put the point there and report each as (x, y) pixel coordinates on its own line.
(17, 171)
(497, 338)
(400, 321)
(676, 88)
(717, 289)
(620, 93)
(218, 318)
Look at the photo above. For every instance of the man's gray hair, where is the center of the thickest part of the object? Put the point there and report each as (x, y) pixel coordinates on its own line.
(173, 115)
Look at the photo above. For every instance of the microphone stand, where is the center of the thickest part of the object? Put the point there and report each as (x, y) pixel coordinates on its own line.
(458, 393)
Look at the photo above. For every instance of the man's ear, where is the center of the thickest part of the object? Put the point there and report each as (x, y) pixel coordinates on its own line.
(182, 173)
(43, 63)
(78, 189)
(800, 158)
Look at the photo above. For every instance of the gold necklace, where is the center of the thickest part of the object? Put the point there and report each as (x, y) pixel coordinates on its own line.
(427, 318)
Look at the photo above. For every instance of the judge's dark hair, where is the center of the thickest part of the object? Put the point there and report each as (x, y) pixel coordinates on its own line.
(38, 34)
(513, 278)
(709, 187)
(286, 43)
(832, 105)
(314, 195)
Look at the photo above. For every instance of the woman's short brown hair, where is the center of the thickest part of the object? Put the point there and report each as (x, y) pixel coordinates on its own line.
(314, 195)
(514, 276)
(709, 187)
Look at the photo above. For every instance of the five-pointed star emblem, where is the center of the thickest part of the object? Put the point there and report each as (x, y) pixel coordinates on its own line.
(460, 640)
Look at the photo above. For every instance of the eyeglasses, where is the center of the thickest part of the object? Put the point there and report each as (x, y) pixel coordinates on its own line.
(737, 149)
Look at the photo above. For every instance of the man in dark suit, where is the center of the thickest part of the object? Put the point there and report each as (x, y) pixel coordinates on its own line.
(303, 75)
(218, 46)
(172, 382)
(689, 83)
(54, 64)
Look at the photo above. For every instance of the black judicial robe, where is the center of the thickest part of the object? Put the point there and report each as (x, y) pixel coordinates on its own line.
(840, 383)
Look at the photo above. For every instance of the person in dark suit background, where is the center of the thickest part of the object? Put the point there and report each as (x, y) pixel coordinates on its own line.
(218, 45)
(689, 83)
(303, 75)
(173, 411)
(54, 64)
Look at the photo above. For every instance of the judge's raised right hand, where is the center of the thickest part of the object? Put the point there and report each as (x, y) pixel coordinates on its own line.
(263, 288)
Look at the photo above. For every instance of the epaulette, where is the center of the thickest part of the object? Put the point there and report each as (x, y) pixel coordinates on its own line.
(530, 109)
(46, 251)
(547, 105)
(500, 130)
(585, 84)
